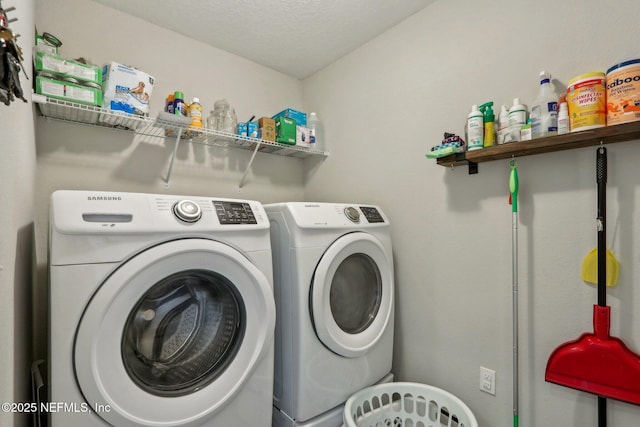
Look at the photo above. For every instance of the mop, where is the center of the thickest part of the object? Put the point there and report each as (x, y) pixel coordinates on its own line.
(513, 198)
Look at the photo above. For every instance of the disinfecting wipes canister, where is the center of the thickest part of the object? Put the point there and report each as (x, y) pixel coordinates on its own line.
(623, 92)
(586, 101)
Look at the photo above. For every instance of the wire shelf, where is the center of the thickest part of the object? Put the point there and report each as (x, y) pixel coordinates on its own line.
(164, 125)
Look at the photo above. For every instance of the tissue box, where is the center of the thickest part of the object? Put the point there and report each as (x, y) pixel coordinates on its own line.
(66, 67)
(298, 116)
(68, 91)
(126, 89)
(252, 129)
(241, 129)
(286, 130)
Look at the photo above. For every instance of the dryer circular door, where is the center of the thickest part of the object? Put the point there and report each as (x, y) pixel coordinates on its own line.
(352, 294)
(173, 334)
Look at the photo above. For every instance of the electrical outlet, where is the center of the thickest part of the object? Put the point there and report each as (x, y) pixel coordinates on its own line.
(488, 380)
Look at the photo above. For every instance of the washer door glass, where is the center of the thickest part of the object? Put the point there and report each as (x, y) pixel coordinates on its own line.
(174, 333)
(183, 333)
(351, 296)
(356, 293)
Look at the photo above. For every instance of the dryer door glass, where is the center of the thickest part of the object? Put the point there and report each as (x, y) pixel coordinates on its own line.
(183, 332)
(356, 292)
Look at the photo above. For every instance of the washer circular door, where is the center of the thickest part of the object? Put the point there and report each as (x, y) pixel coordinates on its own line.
(173, 334)
(352, 294)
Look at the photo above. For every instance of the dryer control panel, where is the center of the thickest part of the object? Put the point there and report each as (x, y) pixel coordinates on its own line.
(333, 215)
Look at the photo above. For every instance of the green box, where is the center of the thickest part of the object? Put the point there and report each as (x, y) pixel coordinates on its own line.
(43, 46)
(286, 130)
(67, 68)
(68, 91)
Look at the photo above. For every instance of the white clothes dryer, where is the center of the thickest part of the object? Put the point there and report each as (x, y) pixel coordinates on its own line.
(334, 291)
(161, 311)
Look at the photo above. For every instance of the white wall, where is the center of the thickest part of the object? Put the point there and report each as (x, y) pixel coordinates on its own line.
(79, 157)
(386, 104)
(17, 172)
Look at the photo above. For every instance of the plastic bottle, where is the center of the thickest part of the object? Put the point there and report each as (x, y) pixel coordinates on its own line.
(517, 118)
(229, 120)
(210, 122)
(503, 126)
(544, 110)
(475, 129)
(216, 119)
(195, 113)
(488, 119)
(316, 132)
(178, 103)
(563, 119)
(169, 106)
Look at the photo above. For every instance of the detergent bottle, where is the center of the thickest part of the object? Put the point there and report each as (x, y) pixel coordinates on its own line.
(517, 118)
(488, 119)
(475, 129)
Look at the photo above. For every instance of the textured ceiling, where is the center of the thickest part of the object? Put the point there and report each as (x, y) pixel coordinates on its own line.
(295, 37)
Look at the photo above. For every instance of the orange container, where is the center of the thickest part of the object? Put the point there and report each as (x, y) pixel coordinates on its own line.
(623, 92)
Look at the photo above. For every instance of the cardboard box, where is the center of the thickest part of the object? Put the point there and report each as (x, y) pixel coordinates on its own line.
(298, 116)
(126, 89)
(286, 130)
(63, 67)
(68, 91)
(268, 127)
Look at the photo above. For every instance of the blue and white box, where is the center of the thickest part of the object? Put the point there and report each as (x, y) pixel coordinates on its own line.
(298, 116)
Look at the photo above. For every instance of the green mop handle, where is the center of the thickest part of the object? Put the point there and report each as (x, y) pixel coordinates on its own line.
(513, 189)
(513, 185)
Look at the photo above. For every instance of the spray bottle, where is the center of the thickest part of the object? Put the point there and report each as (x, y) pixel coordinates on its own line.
(544, 111)
(488, 119)
(475, 129)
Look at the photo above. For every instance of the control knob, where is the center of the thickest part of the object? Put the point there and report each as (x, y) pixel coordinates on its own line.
(187, 211)
(352, 213)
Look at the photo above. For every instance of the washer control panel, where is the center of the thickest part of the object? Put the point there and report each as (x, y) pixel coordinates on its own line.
(372, 214)
(187, 211)
(234, 212)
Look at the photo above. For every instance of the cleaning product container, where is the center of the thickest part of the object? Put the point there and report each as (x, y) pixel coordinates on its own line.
(586, 101)
(503, 126)
(517, 119)
(475, 129)
(406, 404)
(544, 110)
(623, 92)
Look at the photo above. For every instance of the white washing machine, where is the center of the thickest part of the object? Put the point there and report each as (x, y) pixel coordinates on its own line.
(334, 290)
(161, 311)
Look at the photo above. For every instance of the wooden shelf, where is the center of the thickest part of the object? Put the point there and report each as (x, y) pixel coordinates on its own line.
(606, 135)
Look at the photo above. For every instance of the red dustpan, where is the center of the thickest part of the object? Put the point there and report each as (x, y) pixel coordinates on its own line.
(597, 362)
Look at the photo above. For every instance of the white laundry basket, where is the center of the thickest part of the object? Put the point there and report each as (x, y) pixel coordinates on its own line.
(406, 404)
